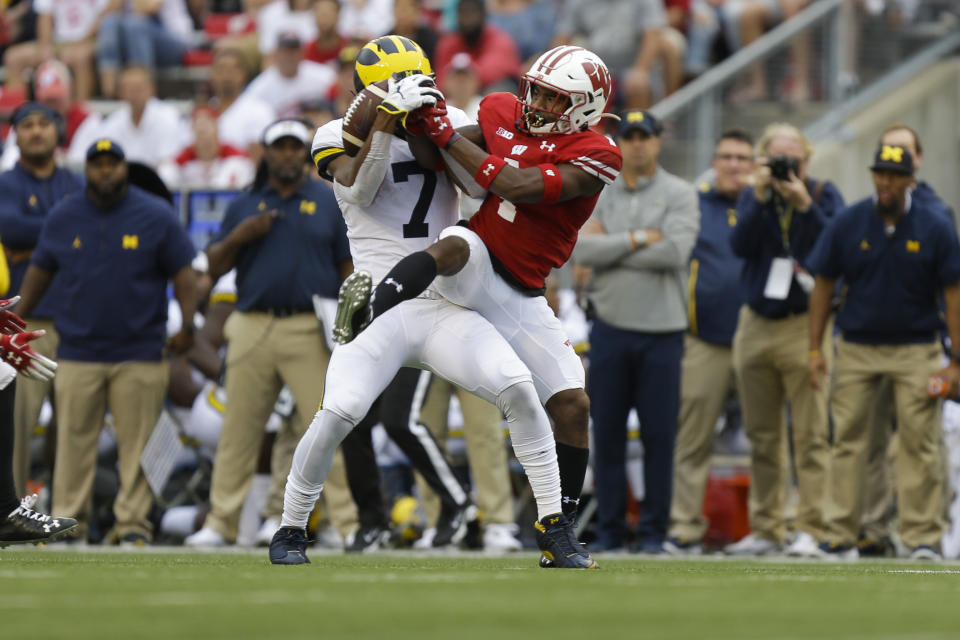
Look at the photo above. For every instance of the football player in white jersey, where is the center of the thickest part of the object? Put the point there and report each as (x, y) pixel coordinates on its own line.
(392, 208)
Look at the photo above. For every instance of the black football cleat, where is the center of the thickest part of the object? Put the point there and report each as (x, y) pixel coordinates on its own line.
(24, 525)
(353, 306)
(558, 543)
(452, 524)
(289, 546)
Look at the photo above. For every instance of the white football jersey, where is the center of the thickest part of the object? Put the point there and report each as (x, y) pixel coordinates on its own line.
(411, 208)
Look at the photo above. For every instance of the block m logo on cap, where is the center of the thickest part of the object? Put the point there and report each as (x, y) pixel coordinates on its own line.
(891, 154)
(131, 242)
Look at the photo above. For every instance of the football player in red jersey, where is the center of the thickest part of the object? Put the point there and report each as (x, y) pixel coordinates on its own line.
(542, 169)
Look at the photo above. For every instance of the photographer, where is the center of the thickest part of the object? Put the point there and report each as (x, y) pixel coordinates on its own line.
(779, 220)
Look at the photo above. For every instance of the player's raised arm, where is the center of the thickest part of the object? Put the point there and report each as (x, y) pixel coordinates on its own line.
(565, 91)
(360, 176)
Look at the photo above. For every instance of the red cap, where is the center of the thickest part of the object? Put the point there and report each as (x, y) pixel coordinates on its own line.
(51, 81)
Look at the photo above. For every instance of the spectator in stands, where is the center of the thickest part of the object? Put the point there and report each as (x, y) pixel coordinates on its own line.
(747, 20)
(66, 30)
(702, 26)
(291, 80)
(364, 20)
(896, 257)
(152, 130)
(629, 36)
(283, 17)
(460, 84)
(778, 222)
(531, 24)
(638, 242)
(27, 193)
(151, 34)
(327, 43)
(51, 86)
(715, 298)
(241, 34)
(242, 118)
(408, 22)
(207, 164)
(483, 430)
(115, 246)
(491, 49)
(287, 240)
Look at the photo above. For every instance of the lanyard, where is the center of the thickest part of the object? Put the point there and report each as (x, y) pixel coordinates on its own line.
(785, 217)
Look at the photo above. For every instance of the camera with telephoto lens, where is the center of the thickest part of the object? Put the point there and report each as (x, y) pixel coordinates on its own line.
(782, 166)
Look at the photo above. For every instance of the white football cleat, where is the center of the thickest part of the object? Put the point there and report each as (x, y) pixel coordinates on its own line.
(204, 539)
(501, 537)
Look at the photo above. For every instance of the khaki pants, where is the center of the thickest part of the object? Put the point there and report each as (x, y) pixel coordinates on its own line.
(134, 393)
(878, 511)
(770, 360)
(486, 450)
(29, 400)
(919, 465)
(707, 378)
(264, 353)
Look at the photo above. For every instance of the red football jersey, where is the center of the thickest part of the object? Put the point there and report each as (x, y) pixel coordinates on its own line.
(530, 239)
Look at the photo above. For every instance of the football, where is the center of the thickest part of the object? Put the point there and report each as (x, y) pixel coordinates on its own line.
(361, 113)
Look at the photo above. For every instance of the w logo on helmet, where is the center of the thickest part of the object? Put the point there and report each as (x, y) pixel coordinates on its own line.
(599, 76)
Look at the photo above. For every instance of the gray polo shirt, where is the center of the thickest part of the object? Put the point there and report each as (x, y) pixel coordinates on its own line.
(642, 289)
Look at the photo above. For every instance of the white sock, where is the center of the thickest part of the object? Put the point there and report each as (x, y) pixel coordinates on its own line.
(311, 465)
(533, 444)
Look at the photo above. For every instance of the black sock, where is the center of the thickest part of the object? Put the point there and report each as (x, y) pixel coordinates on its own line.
(573, 468)
(8, 494)
(409, 278)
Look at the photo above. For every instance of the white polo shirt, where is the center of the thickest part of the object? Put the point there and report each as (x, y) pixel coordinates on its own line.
(312, 82)
(161, 135)
(242, 123)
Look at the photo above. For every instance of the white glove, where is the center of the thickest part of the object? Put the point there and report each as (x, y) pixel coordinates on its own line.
(408, 94)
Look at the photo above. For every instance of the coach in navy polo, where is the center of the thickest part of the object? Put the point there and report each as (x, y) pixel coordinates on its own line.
(114, 248)
(895, 257)
(288, 241)
(27, 193)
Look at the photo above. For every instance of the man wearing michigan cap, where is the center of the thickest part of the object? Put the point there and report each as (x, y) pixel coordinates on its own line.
(895, 258)
(288, 242)
(114, 247)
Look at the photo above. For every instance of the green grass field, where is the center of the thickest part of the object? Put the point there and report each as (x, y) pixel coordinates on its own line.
(49, 593)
